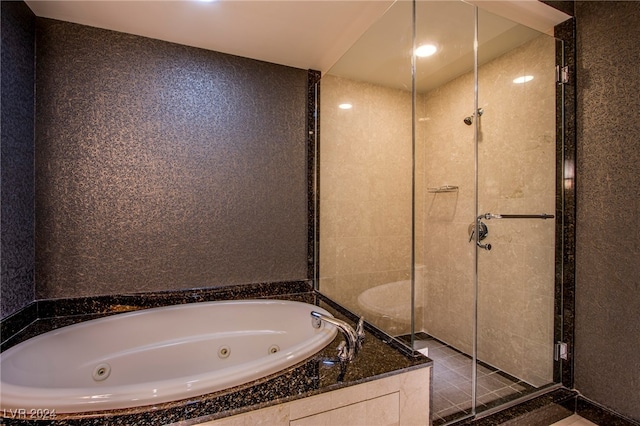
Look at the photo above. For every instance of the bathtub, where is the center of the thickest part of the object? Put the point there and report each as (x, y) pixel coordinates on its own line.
(158, 355)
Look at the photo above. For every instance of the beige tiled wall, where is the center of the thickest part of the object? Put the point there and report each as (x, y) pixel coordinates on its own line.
(516, 174)
(402, 399)
(365, 207)
(446, 157)
(365, 195)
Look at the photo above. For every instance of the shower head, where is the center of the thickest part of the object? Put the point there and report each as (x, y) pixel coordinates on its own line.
(469, 120)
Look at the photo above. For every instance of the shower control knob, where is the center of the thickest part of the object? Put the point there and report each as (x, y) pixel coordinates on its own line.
(483, 231)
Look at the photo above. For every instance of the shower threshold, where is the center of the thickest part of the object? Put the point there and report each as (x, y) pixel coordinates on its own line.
(452, 382)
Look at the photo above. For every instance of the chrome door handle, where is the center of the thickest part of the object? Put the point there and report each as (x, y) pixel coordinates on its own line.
(488, 216)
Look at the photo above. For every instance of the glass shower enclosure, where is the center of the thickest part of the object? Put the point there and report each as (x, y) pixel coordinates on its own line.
(436, 193)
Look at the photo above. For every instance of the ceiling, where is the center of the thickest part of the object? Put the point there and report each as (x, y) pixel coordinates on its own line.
(307, 34)
(383, 54)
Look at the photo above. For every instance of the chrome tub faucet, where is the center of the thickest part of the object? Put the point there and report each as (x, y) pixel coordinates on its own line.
(348, 348)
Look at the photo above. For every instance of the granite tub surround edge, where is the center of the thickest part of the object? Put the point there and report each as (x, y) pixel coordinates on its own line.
(14, 323)
(314, 376)
(126, 302)
(28, 322)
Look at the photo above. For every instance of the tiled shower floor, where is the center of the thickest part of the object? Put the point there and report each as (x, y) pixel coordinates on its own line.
(452, 382)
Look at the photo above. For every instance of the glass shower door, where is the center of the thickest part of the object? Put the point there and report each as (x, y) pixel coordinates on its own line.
(445, 203)
(437, 183)
(365, 175)
(516, 124)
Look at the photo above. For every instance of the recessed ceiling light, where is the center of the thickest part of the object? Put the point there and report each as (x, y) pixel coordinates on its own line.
(425, 50)
(523, 79)
(345, 106)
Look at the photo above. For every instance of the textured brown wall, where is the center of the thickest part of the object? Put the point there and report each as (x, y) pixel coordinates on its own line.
(161, 166)
(18, 77)
(607, 353)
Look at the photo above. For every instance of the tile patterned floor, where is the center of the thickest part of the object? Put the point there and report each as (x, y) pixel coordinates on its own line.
(452, 382)
(574, 420)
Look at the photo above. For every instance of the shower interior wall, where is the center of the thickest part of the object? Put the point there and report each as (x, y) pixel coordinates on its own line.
(365, 195)
(365, 213)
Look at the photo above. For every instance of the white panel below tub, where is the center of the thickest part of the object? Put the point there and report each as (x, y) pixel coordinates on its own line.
(402, 399)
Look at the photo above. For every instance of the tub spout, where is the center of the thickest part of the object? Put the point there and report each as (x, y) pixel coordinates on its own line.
(348, 348)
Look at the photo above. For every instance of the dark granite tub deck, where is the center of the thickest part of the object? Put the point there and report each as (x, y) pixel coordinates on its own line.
(379, 357)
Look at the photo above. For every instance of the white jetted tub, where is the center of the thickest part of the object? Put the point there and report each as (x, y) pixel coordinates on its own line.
(158, 355)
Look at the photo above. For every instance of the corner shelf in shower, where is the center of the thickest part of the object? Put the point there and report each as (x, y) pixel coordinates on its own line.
(443, 188)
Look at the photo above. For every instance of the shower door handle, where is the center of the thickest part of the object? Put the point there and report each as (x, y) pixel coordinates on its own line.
(482, 227)
(515, 216)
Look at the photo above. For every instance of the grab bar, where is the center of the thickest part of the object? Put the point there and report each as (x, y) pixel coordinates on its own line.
(488, 216)
(515, 216)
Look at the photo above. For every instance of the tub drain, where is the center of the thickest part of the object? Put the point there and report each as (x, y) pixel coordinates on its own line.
(101, 372)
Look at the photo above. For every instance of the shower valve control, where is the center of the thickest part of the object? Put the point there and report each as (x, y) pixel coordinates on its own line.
(483, 232)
